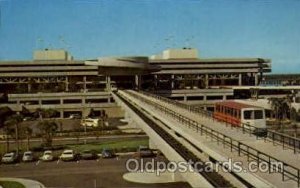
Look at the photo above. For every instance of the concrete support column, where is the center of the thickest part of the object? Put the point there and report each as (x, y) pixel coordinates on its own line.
(126, 116)
(155, 81)
(67, 84)
(240, 79)
(256, 78)
(84, 83)
(206, 81)
(108, 99)
(138, 82)
(224, 97)
(185, 98)
(61, 101)
(152, 145)
(61, 113)
(172, 81)
(29, 86)
(108, 84)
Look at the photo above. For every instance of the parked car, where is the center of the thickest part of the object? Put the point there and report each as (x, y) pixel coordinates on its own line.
(75, 116)
(27, 156)
(144, 151)
(88, 154)
(28, 118)
(47, 156)
(10, 157)
(68, 155)
(108, 153)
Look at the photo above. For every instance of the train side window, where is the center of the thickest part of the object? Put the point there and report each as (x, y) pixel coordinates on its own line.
(234, 112)
(247, 114)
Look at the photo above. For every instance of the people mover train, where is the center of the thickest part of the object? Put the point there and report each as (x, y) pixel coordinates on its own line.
(239, 114)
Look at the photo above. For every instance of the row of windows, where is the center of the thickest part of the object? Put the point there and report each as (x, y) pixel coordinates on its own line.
(228, 111)
(248, 114)
(253, 114)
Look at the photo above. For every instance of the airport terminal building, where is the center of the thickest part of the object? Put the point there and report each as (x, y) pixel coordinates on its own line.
(54, 79)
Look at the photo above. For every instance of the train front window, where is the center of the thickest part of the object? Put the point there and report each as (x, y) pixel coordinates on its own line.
(258, 114)
(247, 114)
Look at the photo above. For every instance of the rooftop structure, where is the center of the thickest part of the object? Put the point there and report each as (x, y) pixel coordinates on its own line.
(52, 55)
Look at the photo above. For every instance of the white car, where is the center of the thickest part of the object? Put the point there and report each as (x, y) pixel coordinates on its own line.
(47, 156)
(68, 155)
(27, 156)
(9, 158)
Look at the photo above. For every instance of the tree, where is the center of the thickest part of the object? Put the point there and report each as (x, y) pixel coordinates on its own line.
(92, 113)
(28, 132)
(9, 131)
(14, 120)
(5, 112)
(48, 129)
(280, 108)
(45, 113)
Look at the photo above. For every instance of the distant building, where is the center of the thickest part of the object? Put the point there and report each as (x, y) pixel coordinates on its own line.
(53, 79)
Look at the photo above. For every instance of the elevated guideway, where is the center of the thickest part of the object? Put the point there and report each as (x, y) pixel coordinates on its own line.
(241, 146)
(172, 149)
(193, 144)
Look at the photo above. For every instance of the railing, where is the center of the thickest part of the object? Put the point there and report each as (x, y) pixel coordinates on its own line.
(287, 171)
(285, 140)
(212, 177)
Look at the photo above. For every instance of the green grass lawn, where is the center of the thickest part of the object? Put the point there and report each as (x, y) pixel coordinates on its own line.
(117, 145)
(11, 184)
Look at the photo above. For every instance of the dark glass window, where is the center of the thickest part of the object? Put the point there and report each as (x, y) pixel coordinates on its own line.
(247, 114)
(258, 114)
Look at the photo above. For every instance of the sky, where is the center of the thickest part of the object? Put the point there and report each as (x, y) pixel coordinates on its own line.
(99, 28)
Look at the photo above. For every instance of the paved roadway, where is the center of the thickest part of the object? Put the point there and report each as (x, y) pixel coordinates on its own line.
(82, 174)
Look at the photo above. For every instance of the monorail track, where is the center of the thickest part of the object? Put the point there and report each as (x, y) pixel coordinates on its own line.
(212, 177)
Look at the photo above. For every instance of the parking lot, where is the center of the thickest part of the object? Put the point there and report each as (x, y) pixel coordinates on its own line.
(81, 173)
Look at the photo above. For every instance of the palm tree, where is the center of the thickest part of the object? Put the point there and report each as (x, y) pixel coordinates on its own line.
(15, 120)
(28, 132)
(8, 132)
(48, 129)
(280, 108)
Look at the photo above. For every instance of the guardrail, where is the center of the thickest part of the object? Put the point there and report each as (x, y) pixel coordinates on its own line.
(214, 178)
(287, 171)
(283, 139)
